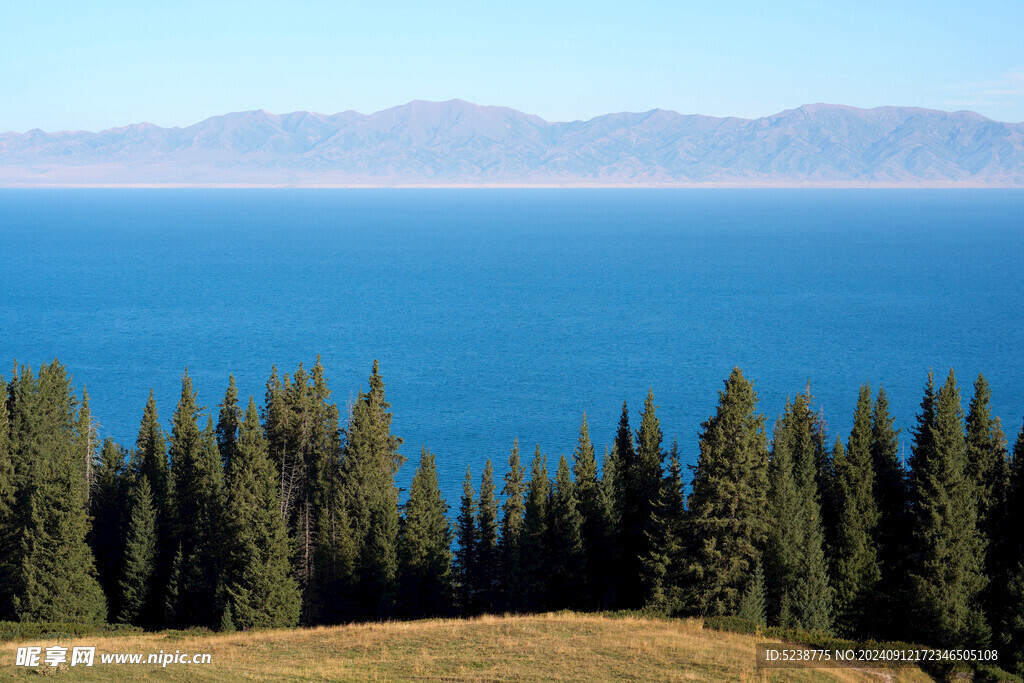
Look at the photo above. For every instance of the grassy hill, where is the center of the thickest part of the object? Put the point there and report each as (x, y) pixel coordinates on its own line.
(562, 646)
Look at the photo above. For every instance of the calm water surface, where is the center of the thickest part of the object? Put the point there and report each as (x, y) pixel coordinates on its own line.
(507, 313)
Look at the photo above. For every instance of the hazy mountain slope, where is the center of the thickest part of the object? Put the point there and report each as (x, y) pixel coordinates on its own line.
(455, 142)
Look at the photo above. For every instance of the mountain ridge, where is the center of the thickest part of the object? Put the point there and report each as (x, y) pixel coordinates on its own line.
(425, 143)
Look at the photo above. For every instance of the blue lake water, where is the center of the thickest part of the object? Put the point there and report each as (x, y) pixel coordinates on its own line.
(504, 313)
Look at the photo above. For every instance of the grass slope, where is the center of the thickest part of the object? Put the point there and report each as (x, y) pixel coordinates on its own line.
(562, 646)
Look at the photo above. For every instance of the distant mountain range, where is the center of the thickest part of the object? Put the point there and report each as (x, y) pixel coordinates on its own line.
(459, 143)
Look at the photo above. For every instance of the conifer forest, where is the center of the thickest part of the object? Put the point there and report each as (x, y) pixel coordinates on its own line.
(285, 512)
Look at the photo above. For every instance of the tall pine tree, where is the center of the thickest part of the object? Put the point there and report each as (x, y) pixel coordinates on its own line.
(149, 460)
(368, 469)
(136, 584)
(261, 590)
(594, 588)
(328, 576)
(151, 455)
(638, 478)
(534, 544)
(564, 550)
(621, 461)
(946, 575)
(986, 459)
(197, 499)
(86, 445)
(487, 555)
(796, 567)
(424, 547)
(1011, 617)
(892, 534)
(988, 467)
(466, 583)
(227, 424)
(511, 540)
(46, 564)
(728, 505)
(107, 533)
(855, 559)
(666, 560)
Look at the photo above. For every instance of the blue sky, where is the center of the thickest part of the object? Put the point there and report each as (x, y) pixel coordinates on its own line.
(93, 65)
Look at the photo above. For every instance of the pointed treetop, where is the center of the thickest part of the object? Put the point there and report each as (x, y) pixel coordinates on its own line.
(649, 436)
(838, 451)
(250, 412)
(584, 461)
(624, 439)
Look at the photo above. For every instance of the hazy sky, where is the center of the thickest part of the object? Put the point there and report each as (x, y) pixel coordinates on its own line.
(93, 65)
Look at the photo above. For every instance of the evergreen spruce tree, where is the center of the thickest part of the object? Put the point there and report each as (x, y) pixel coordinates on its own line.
(277, 421)
(784, 536)
(592, 504)
(673, 529)
(810, 603)
(110, 507)
(151, 456)
(795, 557)
(197, 498)
(227, 423)
(510, 542)
(824, 479)
(564, 542)
(227, 620)
(486, 554)
(424, 547)
(639, 484)
(855, 560)
(728, 505)
(986, 459)
(947, 569)
(534, 544)
(892, 534)
(298, 413)
(752, 603)
(297, 487)
(303, 489)
(261, 590)
(86, 445)
(1000, 560)
(136, 582)
(624, 513)
(149, 460)
(46, 564)
(328, 599)
(923, 449)
(213, 537)
(465, 554)
(368, 470)
(988, 468)
(326, 594)
(663, 564)
(609, 497)
(379, 563)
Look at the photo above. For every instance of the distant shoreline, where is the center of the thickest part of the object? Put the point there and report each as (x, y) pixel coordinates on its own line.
(518, 186)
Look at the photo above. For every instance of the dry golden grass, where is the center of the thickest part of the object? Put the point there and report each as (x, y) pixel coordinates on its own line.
(559, 647)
